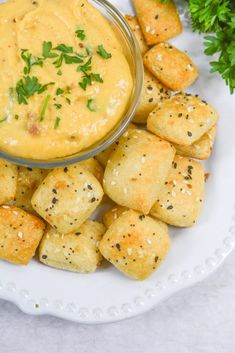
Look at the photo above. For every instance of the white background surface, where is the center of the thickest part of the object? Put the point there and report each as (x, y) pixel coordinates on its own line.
(197, 320)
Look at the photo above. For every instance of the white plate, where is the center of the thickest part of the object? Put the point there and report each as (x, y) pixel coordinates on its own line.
(107, 295)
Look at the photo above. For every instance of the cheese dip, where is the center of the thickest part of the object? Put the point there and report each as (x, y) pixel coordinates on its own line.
(65, 81)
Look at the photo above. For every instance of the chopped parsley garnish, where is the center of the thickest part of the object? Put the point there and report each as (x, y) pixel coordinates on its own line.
(80, 34)
(59, 91)
(2, 120)
(16, 116)
(86, 67)
(96, 77)
(46, 50)
(69, 59)
(30, 60)
(72, 59)
(88, 79)
(83, 84)
(102, 52)
(58, 62)
(64, 49)
(44, 108)
(90, 105)
(27, 87)
(57, 122)
(58, 106)
(44, 87)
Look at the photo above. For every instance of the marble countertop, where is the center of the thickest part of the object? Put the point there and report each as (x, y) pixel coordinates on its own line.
(197, 320)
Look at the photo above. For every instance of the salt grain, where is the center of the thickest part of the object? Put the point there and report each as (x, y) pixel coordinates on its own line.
(148, 29)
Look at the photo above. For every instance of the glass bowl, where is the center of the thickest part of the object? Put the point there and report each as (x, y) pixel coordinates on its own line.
(133, 55)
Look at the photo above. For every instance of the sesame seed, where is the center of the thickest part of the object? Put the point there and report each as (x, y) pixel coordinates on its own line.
(147, 29)
(20, 235)
(159, 57)
(129, 251)
(113, 183)
(190, 67)
(190, 109)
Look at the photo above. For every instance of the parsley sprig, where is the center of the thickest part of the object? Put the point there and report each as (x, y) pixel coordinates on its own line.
(91, 105)
(217, 17)
(28, 86)
(80, 34)
(89, 76)
(30, 60)
(46, 51)
(102, 52)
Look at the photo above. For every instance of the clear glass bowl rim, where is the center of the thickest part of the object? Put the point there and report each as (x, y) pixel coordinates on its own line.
(124, 122)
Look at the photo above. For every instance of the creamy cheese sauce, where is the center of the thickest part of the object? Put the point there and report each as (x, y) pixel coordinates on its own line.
(67, 116)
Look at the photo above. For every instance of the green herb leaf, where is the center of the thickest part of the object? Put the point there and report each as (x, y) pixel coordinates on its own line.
(208, 15)
(224, 44)
(46, 50)
(64, 49)
(58, 63)
(30, 60)
(102, 52)
(90, 105)
(27, 87)
(68, 100)
(88, 79)
(217, 16)
(96, 77)
(57, 122)
(16, 116)
(44, 108)
(86, 67)
(59, 91)
(43, 88)
(58, 106)
(80, 34)
(83, 84)
(59, 73)
(72, 59)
